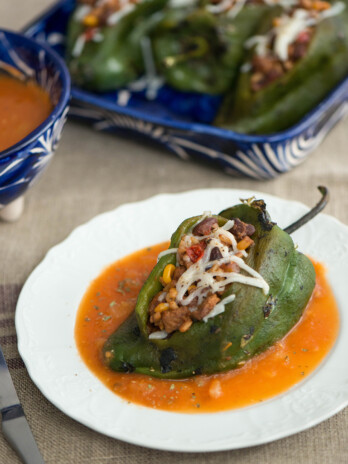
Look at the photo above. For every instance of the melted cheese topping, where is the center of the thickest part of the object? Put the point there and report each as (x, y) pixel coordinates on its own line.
(159, 335)
(81, 42)
(125, 9)
(231, 7)
(237, 7)
(261, 43)
(290, 26)
(219, 308)
(182, 3)
(285, 4)
(288, 30)
(167, 252)
(82, 11)
(203, 277)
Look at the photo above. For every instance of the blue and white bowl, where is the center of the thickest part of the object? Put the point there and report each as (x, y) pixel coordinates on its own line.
(24, 162)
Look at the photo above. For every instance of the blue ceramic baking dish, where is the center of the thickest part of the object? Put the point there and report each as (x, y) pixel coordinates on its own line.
(169, 119)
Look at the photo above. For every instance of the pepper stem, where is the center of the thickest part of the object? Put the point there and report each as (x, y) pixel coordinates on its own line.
(312, 213)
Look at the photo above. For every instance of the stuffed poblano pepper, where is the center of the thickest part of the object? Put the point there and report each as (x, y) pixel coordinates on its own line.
(297, 57)
(228, 287)
(199, 47)
(104, 41)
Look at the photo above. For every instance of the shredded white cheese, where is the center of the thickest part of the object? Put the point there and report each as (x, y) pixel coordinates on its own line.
(166, 252)
(201, 275)
(81, 42)
(229, 224)
(246, 67)
(123, 97)
(159, 335)
(125, 9)
(182, 3)
(153, 81)
(285, 4)
(97, 37)
(237, 8)
(219, 308)
(162, 297)
(261, 43)
(79, 46)
(288, 30)
(81, 11)
(336, 9)
(290, 26)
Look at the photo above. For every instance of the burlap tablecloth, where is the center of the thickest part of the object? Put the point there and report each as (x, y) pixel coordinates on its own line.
(94, 172)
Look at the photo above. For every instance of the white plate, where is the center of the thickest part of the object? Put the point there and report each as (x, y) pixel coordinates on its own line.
(48, 303)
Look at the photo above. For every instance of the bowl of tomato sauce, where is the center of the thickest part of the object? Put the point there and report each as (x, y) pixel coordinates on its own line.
(34, 98)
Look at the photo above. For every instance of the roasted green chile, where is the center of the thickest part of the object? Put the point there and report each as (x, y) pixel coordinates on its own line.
(198, 51)
(286, 100)
(248, 326)
(116, 58)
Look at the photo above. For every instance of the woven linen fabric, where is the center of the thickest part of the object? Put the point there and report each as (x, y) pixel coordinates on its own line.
(95, 172)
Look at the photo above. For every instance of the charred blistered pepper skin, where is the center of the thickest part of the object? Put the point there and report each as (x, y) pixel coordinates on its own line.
(249, 325)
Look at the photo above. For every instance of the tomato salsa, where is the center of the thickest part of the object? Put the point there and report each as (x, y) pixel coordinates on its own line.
(111, 297)
(23, 107)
